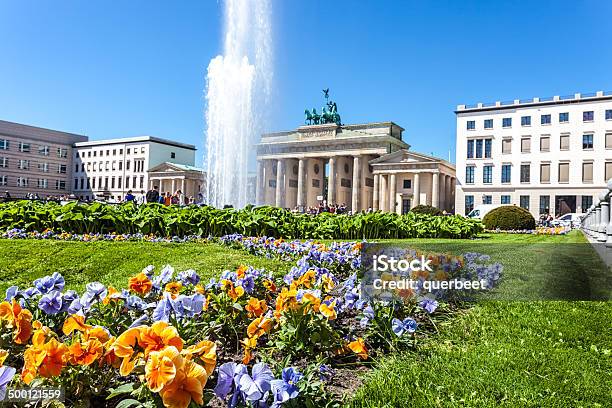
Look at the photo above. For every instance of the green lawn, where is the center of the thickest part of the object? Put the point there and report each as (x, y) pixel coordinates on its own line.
(113, 263)
(513, 353)
(497, 353)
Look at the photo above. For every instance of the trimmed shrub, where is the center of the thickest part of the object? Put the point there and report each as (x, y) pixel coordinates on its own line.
(509, 217)
(426, 209)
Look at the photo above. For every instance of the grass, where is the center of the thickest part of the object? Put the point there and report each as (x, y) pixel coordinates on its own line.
(22, 261)
(513, 353)
(497, 353)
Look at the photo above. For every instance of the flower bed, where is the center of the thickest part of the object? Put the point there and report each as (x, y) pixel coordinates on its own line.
(537, 231)
(244, 338)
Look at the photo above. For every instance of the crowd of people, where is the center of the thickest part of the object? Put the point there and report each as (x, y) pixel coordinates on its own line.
(168, 198)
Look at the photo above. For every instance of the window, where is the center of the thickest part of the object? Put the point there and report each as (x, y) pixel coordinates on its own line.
(127, 182)
(587, 172)
(506, 175)
(61, 169)
(587, 141)
(608, 140)
(4, 162)
(93, 183)
(506, 146)
(76, 183)
(120, 165)
(545, 143)
(608, 172)
(43, 150)
(587, 116)
(62, 152)
(469, 204)
(544, 204)
(76, 168)
(172, 155)
(60, 184)
(526, 145)
(507, 122)
(24, 147)
(479, 148)
(563, 172)
(608, 114)
(524, 199)
(22, 182)
(141, 184)
(119, 181)
(127, 165)
(563, 117)
(545, 173)
(120, 151)
(114, 152)
(112, 182)
(525, 120)
(4, 144)
(487, 174)
(82, 183)
(89, 153)
(3, 180)
(142, 149)
(488, 124)
(471, 125)
(545, 119)
(24, 164)
(407, 183)
(128, 150)
(525, 173)
(587, 202)
(44, 167)
(487, 148)
(470, 149)
(469, 175)
(487, 199)
(505, 199)
(564, 142)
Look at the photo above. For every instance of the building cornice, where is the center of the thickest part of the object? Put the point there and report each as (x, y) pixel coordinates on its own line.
(528, 103)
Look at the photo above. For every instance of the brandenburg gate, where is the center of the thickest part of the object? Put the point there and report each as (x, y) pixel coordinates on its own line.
(366, 166)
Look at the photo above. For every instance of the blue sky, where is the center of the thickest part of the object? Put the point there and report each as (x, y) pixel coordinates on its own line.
(113, 69)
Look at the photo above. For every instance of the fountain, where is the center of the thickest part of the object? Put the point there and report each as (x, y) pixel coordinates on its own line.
(238, 81)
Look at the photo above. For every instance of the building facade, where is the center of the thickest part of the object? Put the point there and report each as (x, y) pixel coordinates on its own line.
(365, 166)
(108, 169)
(35, 160)
(548, 155)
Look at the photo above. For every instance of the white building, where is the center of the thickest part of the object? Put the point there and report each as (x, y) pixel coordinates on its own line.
(544, 154)
(107, 169)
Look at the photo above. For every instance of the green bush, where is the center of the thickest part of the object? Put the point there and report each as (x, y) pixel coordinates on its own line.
(426, 209)
(166, 221)
(509, 217)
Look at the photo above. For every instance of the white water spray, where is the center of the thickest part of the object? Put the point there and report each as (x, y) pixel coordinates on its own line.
(237, 82)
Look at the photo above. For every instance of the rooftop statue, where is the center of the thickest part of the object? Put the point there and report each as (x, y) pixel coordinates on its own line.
(329, 113)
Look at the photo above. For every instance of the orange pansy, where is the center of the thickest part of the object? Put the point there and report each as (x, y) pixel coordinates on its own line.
(328, 311)
(84, 353)
(259, 326)
(188, 384)
(161, 367)
(140, 284)
(206, 351)
(159, 336)
(75, 322)
(358, 347)
(173, 287)
(256, 307)
(127, 348)
(54, 359)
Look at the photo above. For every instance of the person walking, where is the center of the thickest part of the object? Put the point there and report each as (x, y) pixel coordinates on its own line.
(153, 195)
(129, 196)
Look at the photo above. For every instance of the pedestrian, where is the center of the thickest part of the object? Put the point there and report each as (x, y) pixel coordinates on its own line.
(168, 198)
(129, 196)
(153, 195)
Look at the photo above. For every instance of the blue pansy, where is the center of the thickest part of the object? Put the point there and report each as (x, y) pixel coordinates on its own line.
(51, 303)
(399, 327)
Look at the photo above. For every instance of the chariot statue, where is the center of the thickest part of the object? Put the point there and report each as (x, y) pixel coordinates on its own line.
(329, 113)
